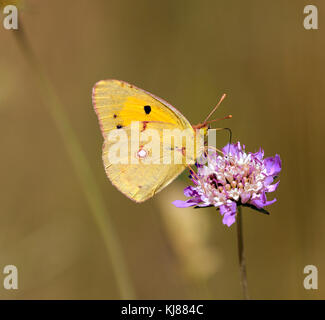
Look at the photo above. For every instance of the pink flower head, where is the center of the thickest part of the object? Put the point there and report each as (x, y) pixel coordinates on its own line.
(232, 179)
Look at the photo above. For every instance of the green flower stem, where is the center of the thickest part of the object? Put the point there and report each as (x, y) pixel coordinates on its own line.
(82, 168)
(242, 263)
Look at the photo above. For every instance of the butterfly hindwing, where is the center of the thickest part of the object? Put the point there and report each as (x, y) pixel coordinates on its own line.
(142, 180)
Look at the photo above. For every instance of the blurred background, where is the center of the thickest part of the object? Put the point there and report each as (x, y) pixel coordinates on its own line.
(189, 53)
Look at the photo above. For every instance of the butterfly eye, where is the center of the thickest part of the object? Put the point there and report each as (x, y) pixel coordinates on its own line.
(147, 109)
(118, 126)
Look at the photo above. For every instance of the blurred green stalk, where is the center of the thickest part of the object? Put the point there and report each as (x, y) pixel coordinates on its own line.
(241, 255)
(82, 167)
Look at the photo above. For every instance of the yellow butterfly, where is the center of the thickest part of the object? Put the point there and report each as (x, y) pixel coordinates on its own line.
(118, 104)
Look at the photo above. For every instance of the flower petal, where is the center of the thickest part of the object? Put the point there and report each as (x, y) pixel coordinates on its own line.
(258, 203)
(229, 213)
(245, 196)
(272, 187)
(268, 180)
(223, 209)
(229, 219)
(190, 191)
(259, 154)
(205, 204)
(184, 204)
(231, 149)
(273, 165)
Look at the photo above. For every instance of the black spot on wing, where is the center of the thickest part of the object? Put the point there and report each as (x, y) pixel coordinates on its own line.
(147, 109)
(119, 126)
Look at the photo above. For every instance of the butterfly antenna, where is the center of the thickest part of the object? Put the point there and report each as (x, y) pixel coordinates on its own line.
(219, 119)
(215, 108)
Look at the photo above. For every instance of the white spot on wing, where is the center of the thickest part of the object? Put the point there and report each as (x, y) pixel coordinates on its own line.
(142, 153)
